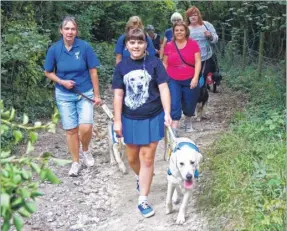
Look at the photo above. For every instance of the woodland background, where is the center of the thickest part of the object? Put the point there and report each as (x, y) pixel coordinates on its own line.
(247, 186)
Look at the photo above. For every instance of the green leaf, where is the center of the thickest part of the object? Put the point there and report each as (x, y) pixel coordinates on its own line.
(33, 137)
(30, 147)
(5, 200)
(37, 194)
(52, 177)
(18, 222)
(43, 174)
(25, 119)
(12, 114)
(25, 193)
(6, 226)
(35, 167)
(52, 128)
(46, 155)
(17, 202)
(61, 162)
(4, 128)
(18, 136)
(25, 174)
(31, 206)
(23, 212)
(16, 178)
(7, 160)
(5, 154)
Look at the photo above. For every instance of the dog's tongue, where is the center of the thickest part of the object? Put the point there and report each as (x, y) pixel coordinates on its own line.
(187, 184)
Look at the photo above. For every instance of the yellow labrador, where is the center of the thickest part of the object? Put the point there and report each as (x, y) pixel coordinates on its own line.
(183, 168)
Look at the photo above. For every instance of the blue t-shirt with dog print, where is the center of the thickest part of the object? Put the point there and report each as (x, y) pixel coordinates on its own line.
(140, 79)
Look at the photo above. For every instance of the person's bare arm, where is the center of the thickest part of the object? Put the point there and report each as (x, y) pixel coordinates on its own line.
(165, 100)
(195, 78)
(164, 61)
(118, 105)
(95, 82)
(69, 84)
(162, 47)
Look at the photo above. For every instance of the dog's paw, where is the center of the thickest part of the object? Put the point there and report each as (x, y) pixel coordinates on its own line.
(180, 219)
(168, 208)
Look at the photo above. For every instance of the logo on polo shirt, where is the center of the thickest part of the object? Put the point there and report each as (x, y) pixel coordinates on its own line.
(77, 54)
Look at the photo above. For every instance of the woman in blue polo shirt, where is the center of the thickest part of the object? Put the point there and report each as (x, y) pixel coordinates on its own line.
(72, 64)
(120, 50)
(141, 107)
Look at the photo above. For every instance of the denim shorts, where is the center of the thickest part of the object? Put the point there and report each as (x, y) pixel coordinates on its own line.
(182, 98)
(74, 109)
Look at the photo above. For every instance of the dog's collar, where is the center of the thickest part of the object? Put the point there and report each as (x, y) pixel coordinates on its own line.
(189, 144)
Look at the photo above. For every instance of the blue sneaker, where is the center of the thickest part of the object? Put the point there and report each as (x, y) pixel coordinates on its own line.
(138, 187)
(145, 209)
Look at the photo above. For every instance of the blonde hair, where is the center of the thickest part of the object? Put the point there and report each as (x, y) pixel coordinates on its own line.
(69, 19)
(132, 22)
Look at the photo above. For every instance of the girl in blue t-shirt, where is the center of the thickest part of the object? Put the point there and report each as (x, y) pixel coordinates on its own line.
(141, 107)
(120, 50)
(72, 64)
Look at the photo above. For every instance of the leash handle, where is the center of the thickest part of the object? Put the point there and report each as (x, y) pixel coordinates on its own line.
(172, 136)
(104, 106)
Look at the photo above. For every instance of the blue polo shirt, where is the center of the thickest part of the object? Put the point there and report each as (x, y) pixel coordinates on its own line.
(72, 65)
(122, 50)
(168, 34)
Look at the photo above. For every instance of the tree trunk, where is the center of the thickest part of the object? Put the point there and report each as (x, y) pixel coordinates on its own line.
(260, 58)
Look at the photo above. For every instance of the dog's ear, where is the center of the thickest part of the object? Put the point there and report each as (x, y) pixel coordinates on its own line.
(198, 157)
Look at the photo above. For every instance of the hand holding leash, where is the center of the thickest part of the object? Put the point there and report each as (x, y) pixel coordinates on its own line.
(173, 138)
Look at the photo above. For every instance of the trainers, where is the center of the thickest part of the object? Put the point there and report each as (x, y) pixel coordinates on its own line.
(145, 209)
(74, 171)
(138, 187)
(88, 158)
(187, 124)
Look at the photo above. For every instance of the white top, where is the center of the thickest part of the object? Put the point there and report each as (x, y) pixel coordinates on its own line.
(197, 34)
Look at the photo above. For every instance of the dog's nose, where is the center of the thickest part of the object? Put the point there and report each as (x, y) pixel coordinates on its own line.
(140, 87)
(189, 176)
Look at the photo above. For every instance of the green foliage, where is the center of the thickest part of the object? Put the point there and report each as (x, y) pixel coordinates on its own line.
(21, 174)
(248, 178)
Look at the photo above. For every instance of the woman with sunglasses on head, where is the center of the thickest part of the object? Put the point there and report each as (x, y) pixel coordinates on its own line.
(141, 109)
(175, 17)
(183, 64)
(72, 64)
(121, 50)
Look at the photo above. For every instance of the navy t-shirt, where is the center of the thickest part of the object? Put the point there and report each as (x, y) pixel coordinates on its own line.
(140, 79)
(168, 34)
(73, 64)
(122, 50)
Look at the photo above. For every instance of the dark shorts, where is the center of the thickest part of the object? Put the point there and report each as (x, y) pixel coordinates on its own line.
(143, 132)
(182, 98)
(210, 66)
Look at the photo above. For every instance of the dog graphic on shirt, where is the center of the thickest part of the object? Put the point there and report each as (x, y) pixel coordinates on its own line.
(137, 85)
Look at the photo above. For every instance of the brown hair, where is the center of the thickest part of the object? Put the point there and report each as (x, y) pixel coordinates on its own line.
(185, 28)
(193, 10)
(136, 34)
(134, 21)
(69, 19)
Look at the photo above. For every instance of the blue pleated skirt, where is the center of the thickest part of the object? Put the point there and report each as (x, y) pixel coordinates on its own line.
(143, 132)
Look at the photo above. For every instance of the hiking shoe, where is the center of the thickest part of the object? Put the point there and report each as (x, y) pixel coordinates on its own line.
(75, 168)
(138, 187)
(145, 209)
(88, 158)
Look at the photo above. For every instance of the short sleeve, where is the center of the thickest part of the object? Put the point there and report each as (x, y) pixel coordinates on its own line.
(162, 76)
(117, 82)
(92, 59)
(195, 46)
(50, 60)
(166, 49)
(150, 47)
(120, 45)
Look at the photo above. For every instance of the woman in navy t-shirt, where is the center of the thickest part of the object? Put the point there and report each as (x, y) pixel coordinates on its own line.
(120, 50)
(141, 107)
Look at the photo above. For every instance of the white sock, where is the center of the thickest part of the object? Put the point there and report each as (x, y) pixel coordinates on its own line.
(142, 199)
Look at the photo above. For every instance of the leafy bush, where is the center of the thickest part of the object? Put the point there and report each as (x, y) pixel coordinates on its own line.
(21, 174)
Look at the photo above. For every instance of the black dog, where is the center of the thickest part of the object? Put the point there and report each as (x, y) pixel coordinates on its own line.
(216, 78)
(201, 102)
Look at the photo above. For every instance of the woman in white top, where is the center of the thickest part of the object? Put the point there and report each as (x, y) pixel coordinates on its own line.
(204, 34)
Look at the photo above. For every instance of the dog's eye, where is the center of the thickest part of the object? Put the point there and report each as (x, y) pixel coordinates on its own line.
(192, 162)
(181, 164)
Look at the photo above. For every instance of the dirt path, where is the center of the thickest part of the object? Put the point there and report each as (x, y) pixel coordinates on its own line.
(102, 198)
